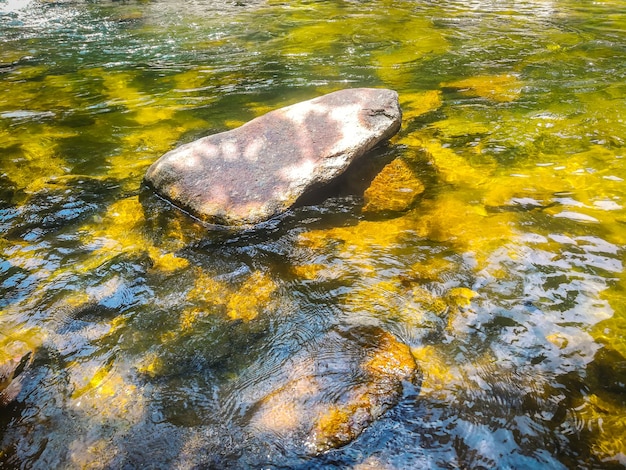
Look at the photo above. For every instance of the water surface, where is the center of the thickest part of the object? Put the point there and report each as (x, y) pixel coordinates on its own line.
(137, 337)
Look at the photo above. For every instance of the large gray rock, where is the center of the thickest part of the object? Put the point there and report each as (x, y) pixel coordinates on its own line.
(259, 170)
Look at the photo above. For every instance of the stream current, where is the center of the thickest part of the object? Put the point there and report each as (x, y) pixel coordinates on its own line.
(487, 237)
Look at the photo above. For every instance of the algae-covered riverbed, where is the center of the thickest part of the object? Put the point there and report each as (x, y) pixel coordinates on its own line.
(483, 244)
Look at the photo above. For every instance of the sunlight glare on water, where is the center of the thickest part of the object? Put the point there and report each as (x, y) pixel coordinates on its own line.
(455, 301)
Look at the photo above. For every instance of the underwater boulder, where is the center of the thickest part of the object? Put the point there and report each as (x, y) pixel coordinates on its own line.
(250, 174)
(330, 392)
(394, 189)
(10, 370)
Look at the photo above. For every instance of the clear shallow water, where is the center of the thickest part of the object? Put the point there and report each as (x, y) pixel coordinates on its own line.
(142, 338)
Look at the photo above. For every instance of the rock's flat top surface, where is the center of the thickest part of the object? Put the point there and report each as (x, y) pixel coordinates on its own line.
(259, 170)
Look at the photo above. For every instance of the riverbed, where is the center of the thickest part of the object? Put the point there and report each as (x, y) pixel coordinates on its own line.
(487, 238)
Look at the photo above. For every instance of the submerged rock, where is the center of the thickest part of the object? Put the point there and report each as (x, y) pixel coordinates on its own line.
(259, 170)
(334, 389)
(395, 189)
(10, 370)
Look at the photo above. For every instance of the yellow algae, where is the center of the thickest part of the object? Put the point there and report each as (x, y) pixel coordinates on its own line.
(432, 269)
(122, 224)
(77, 299)
(189, 317)
(208, 290)
(540, 182)
(151, 365)
(120, 230)
(311, 36)
(251, 298)
(117, 87)
(148, 115)
(166, 262)
(259, 109)
(11, 55)
(16, 352)
(452, 167)
(92, 454)
(315, 37)
(460, 126)
(18, 342)
(362, 237)
(395, 188)
(333, 427)
(604, 417)
(233, 123)
(112, 401)
(416, 104)
(384, 299)
(390, 358)
(179, 230)
(499, 88)
(153, 141)
(191, 80)
(168, 336)
(20, 94)
(339, 425)
(60, 90)
(459, 302)
(559, 340)
(309, 271)
(612, 331)
(438, 377)
(357, 245)
(28, 72)
(31, 89)
(461, 296)
(413, 39)
(428, 301)
(36, 159)
(90, 382)
(502, 190)
(317, 272)
(246, 303)
(131, 15)
(392, 301)
(465, 224)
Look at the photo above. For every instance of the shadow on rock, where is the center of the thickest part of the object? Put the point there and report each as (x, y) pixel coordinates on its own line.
(251, 174)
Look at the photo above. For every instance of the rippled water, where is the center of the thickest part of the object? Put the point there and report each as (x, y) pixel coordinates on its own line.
(133, 337)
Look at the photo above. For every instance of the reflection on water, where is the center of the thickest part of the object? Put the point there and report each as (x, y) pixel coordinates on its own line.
(456, 300)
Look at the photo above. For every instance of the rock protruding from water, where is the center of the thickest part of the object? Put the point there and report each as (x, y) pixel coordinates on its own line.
(259, 170)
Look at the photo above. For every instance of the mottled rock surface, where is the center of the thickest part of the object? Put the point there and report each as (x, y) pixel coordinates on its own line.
(333, 390)
(259, 170)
